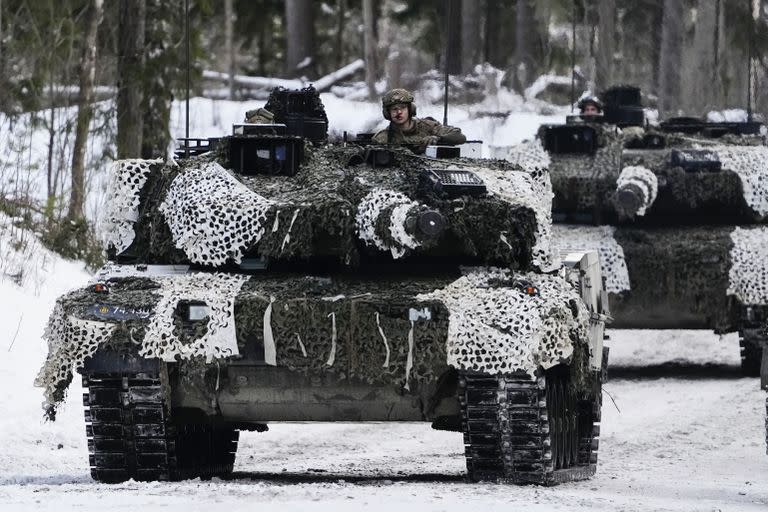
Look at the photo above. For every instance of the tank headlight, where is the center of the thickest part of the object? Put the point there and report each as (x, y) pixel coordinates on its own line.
(197, 312)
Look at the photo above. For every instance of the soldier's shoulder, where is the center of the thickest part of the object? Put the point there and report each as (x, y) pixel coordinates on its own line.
(380, 136)
(429, 121)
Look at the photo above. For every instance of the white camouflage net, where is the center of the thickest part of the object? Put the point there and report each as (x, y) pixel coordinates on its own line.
(644, 180)
(750, 163)
(70, 341)
(213, 217)
(121, 207)
(748, 275)
(218, 292)
(368, 211)
(500, 330)
(568, 238)
(529, 155)
(533, 190)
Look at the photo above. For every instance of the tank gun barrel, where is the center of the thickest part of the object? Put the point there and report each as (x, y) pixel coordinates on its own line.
(636, 191)
(420, 223)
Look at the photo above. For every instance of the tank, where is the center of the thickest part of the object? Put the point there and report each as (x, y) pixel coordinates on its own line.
(261, 278)
(677, 212)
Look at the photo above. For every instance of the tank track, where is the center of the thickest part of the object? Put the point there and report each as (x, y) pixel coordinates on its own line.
(525, 431)
(131, 435)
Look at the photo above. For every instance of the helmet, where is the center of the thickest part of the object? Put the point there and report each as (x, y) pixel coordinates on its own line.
(583, 102)
(396, 97)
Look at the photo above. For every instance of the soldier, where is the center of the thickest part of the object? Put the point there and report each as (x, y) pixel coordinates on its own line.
(398, 108)
(590, 106)
(259, 116)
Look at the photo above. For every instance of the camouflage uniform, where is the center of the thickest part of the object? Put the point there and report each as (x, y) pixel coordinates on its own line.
(259, 116)
(422, 132)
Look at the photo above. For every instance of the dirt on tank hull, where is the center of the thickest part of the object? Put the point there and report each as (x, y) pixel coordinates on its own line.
(269, 280)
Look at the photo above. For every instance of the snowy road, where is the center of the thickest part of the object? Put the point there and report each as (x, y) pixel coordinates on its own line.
(682, 444)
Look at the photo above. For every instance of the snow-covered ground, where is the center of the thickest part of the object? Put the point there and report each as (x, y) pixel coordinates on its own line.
(669, 443)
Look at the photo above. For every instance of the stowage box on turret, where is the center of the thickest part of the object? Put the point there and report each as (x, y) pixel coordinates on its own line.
(353, 283)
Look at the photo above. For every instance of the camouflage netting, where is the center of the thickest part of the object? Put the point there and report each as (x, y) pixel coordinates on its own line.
(74, 331)
(218, 292)
(121, 208)
(212, 216)
(748, 275)
(371, 208)
(70, 341)
(678, 276)
(643, 180)
(568, 238)
(750, 164)
(403, 331)
(529, 155)
(585, 184)
(501, 329)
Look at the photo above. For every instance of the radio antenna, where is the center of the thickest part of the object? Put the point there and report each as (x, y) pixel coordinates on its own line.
(448, 15)
(186, 37)
(573, 55)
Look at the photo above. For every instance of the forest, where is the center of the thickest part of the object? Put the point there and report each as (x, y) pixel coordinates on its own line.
(76, 69)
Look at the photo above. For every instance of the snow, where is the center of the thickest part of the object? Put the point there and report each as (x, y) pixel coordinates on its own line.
(676, 444)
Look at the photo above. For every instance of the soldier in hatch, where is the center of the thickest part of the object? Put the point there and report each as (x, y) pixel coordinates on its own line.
(590, 106)
(398, 108)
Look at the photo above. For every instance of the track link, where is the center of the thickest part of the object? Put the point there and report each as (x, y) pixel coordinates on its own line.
(131, 435)
(526, 431)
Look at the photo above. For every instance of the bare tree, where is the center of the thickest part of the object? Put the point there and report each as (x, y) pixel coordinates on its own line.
(452, 13)
(300, 32)
(162, 74)
(470, 35)
(606, 11)
(370, 48)
(526, 39)
(341, 15)
(130, 73)
(670, 60)
(84, 110)
(229, 22)
(704, 79)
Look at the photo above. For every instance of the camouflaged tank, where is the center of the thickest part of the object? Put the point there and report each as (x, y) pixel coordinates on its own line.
(677, 212)
(266, 279)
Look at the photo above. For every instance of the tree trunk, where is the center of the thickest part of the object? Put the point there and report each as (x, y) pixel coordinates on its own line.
(606, 11)
(164, 29)
(526, 35)
(130, 71)
(704, 49)
(369, 41)
(470, 35)
(340, 23)
(84, 110)
(452, 31)
(229, 22)
(670, 60)
(299, 29)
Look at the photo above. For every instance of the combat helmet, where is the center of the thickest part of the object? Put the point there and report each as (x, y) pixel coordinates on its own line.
(395, 97)
(586, 100)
